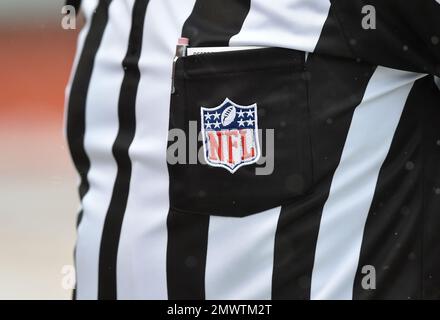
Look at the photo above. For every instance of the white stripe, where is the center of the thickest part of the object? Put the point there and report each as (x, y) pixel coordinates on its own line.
(345, 212)
(295, 24)
(240, 256)
(141, 266)
(102, 116)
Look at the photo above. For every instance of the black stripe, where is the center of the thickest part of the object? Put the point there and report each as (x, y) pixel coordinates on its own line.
(336, 86)
(127, 127)
(214, 22)
(75, 3)
(402, 38)
(76, 113)
(332, 40)
(186, 255)
(431, 192)
(211, 23)
(393, 236)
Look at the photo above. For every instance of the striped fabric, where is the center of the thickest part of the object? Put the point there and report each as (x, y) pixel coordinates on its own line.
(375, 152)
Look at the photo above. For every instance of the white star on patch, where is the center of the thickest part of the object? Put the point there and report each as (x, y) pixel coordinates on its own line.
(208, 125)
(216, 124)
(240, 114)
(241, 123)
(216, 115)
(250, 122)
(250, 113)
(207, 116)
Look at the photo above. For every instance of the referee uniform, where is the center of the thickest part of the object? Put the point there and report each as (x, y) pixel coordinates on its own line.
(355, 190)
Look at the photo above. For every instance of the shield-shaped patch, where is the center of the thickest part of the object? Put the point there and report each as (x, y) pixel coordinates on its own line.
(230, 135)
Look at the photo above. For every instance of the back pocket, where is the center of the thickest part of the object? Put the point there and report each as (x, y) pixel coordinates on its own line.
(250, 110)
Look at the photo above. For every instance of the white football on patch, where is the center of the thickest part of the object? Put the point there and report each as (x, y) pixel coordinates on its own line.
(228, 115)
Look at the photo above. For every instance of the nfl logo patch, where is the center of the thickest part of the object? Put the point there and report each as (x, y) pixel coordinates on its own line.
(230, 135)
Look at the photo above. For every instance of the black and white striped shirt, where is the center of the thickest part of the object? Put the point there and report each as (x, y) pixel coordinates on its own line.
(375, 153)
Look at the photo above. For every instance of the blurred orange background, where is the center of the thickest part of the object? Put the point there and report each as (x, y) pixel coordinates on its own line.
(38, 199)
